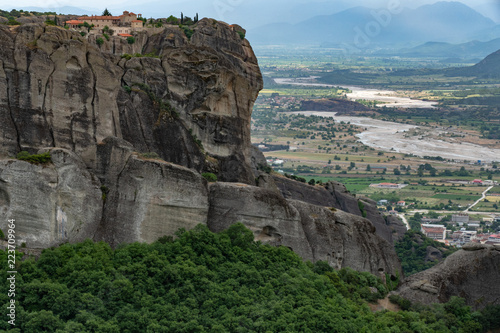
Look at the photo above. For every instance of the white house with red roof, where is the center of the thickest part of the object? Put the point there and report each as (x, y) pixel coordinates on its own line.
(434, 231)
(494, 239)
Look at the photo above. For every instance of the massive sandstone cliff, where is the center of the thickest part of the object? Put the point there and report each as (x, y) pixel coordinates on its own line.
(99, 113)
(58, 89)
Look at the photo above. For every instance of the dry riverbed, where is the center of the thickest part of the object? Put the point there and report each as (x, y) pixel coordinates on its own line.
(387, 98)
(390, 136)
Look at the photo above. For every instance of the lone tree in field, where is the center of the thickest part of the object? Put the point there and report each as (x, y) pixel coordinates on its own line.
(106, 13)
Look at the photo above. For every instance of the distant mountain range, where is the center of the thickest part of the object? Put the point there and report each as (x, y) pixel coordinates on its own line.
(489, 67)
(361, 27)
(62, 10)
(490, 10)
(470, 50)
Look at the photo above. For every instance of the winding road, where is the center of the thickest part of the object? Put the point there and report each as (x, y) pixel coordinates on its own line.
(478, 201)
(405, 221)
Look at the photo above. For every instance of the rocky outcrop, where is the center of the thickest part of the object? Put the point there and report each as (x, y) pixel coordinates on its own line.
(145, 197)
(433, 254)
(335, 194)
(272, 219)
(397, 227)
(150, 199)
(52, 204)
(190, 102)
(314, 232)
(129, 137)
(471, 273)
(346, 240)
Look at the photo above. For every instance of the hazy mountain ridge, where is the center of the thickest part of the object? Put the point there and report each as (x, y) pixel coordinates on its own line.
(363, 27)
(473, 49)
(489, 67)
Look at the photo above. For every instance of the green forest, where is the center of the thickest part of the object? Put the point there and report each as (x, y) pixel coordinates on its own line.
(201, 281)
(412, 251)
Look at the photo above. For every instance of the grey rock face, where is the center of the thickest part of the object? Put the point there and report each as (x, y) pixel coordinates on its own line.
(313, 232)
(265, 212)
(61, 202)
(147, 198)
(103, 116)
(398, 228)
(334, 194)
(346, 240)
(471, 273)
(192, 105)
(433, 254)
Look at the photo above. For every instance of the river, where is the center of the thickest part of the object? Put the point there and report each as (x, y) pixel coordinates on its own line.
(390, 136)
(387, 97)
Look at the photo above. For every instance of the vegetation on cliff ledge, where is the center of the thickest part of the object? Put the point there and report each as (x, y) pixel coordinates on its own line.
(412, 250)
(43, 158)
(207, 282)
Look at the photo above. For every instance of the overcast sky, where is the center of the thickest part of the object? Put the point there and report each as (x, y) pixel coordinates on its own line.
(232, 11)
(192, 4)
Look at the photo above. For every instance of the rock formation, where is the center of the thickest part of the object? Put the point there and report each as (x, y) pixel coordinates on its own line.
(191, 102)
(335, 195)
(51, 204)
(129, 137)
(471, 273)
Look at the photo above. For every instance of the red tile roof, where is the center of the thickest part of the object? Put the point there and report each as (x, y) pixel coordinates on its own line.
(74, 22)
(125, 35)
(434, 230)
(99, 18)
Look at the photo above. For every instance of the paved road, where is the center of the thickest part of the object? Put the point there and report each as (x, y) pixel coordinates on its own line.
(482, 198)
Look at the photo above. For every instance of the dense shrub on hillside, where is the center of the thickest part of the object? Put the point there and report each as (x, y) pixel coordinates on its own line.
(412, 251)
(43, 158)
(206, 282)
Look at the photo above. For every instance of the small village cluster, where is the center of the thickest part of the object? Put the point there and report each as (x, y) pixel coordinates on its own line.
(461, 237)
(122, 25)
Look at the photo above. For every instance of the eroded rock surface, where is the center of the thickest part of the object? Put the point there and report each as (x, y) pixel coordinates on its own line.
(53, 204)
(471, 273)
(335, 194)
(130, 136)
(191, 103)
(314, 232)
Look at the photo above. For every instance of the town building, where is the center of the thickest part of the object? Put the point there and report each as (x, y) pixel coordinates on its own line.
(494, 240)
(460, 219)
(434, 231)
(463, 237)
